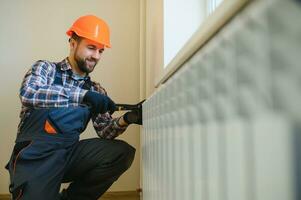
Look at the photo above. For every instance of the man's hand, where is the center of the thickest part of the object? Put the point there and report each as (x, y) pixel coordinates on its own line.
(133, 117)
(99, 103)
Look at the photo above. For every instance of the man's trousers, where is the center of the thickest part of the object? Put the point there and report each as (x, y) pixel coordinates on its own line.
(91, 166)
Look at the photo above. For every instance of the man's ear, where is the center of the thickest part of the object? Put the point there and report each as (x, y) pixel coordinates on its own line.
(72, 43)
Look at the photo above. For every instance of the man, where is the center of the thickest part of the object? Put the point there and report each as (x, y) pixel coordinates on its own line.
(58, 100)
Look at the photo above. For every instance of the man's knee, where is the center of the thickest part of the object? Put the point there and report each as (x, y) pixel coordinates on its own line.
(117, 157)
(128, 153)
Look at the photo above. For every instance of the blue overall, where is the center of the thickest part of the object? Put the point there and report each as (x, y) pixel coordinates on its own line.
(35, 145)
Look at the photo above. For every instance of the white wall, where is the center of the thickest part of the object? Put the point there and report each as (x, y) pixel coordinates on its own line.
(32, 30)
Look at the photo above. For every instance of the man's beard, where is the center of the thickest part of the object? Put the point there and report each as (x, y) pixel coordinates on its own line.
(83, 64)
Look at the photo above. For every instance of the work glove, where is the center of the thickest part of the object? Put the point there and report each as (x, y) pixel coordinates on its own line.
(134, 116)
(99, 103)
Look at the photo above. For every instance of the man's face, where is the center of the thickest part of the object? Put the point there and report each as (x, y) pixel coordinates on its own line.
(87, 54)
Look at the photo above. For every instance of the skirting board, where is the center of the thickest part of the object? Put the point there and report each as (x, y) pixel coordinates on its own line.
(4, 197)
(118, 194)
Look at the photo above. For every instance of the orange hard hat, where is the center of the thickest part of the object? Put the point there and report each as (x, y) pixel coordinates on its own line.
(92, 28)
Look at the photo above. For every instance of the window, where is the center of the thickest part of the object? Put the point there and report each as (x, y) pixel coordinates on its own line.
(178, 28)
(212, 5)
(181, 20)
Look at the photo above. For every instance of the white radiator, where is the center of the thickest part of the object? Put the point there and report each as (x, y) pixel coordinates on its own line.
(226, 126)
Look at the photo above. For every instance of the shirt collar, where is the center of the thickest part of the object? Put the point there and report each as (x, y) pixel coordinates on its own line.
(65, 66)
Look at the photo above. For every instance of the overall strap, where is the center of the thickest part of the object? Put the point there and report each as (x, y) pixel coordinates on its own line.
(88, 84)
(58, 79)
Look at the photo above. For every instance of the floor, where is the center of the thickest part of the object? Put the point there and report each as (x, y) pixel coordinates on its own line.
(131, 195)
(105, 197)
(119, 198)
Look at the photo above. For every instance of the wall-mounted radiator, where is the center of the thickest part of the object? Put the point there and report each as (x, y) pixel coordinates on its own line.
(226, 126)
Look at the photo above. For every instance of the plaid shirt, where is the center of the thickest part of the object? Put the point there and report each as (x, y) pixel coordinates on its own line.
(38, 91)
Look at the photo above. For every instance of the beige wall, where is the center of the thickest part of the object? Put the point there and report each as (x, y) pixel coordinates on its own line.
(154, 42)
(151, 52)
(31, 30)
